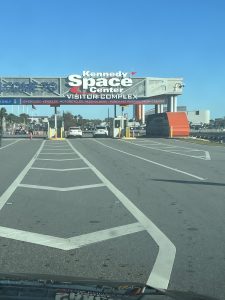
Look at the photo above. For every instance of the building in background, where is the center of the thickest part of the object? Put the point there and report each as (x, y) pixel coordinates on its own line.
(196, 117)
(38, 119)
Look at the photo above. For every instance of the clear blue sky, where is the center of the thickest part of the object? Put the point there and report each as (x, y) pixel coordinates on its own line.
(163, 38)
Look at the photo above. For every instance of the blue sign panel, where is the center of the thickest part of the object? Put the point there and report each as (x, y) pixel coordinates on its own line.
(31, 87)
(10, 101)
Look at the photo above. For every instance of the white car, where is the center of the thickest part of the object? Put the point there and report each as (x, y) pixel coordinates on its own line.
(100, 131)
(75, 132)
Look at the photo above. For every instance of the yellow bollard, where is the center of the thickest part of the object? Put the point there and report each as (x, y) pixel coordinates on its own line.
(119, 135)
(171, 131)
(127, 132)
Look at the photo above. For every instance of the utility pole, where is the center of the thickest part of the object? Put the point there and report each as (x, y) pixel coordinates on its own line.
(108, 115)
(115, 111)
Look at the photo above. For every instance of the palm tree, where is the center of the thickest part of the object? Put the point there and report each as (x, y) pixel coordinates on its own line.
(3, 112)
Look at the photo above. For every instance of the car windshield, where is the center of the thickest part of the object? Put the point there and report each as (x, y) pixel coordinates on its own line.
(112, 144)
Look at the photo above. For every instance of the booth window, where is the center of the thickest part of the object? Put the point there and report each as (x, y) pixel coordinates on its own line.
(117, 123)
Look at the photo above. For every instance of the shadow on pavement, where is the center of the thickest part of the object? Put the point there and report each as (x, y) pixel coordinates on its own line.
(191, 182)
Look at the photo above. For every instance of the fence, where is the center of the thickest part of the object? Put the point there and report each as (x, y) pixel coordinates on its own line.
(210, 134)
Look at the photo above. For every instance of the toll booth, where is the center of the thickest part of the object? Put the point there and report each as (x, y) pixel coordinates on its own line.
(56, 133)
(119, 126)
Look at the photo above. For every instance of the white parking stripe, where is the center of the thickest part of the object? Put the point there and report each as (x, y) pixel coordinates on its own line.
(73, 242)
(10, 144)
(160, 274)
(104, 235)
(54, 153)
(57, 149)
(7, 194)
(168, 151)
(53, 188)
(63, 159)
(60, 170)
(152, 162)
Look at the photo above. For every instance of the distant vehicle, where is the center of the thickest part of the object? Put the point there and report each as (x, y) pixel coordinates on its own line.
(75, 132)
(20, 132)
(100, 131)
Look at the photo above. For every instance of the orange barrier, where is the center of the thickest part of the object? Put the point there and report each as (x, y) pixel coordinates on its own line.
(169, 124)
(178, 123)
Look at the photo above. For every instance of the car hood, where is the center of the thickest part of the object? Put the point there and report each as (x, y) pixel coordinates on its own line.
(61, 285)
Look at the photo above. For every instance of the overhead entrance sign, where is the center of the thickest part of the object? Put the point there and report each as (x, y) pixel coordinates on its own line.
(88, 88)
(10, 101)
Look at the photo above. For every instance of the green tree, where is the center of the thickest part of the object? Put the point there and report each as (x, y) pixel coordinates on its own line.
(11, 118)
(3, 112)
(69, 120)
(23, 118)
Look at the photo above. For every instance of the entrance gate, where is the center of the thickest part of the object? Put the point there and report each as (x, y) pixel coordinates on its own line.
(91, 88)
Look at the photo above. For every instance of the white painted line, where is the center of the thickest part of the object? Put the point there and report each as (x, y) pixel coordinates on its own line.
(10, 190)
(104, 235)
(52, 188)
(31, 237)
(147, 142)
(144, 144)
(53, 153)
(187, 150)
(58, 149)
(165, 146)
(181, 147)
(55, 147)
(61, 170)
(151, 161)
(164, 150)
(172, 145)
(63, 159)
(161, 272)
(70, 243)
(10, 144)
(156, 144)
(207, 155)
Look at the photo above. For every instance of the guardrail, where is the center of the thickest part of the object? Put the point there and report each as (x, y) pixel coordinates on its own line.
(212, 135)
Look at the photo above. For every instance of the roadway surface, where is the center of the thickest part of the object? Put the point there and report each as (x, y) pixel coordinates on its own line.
(147, 210)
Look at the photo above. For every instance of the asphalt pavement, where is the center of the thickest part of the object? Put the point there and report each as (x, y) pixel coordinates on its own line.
(147, 210)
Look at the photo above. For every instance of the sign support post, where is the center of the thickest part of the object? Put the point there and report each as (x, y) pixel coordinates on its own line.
(56, 122)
